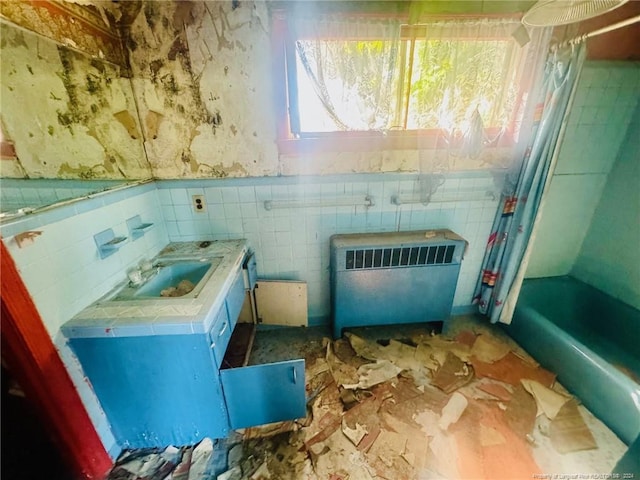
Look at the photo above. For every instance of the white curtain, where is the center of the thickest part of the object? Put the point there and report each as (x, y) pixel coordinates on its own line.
(467, 79)
(349, 63)
(479, 102)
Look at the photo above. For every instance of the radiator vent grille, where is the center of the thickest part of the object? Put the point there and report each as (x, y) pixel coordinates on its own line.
(399, 257)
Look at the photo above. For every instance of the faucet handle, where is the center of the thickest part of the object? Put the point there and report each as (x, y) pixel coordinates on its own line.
(135, 276)
(146, 265)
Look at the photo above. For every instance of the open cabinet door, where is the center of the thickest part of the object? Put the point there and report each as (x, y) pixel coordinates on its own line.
(266, 393)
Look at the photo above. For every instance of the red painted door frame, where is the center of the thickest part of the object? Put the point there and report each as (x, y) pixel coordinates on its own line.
(36, 365)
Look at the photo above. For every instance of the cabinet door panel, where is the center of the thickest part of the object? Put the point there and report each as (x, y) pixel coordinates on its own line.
(235, 299)
(220, 334)
(261, 394)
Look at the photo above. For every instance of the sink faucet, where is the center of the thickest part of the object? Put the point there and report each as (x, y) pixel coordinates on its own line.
(135, 277)
(145, 265)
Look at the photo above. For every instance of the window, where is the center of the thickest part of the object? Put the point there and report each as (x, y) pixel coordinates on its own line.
(369, 82)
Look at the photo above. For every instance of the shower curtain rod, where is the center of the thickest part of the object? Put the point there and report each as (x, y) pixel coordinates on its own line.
(600, 31)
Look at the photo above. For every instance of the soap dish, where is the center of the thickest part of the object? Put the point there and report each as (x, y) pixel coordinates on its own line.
(108, 243)
(136, 228)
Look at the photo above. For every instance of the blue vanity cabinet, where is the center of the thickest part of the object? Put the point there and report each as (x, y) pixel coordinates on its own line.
(156, 390)
(175, 389)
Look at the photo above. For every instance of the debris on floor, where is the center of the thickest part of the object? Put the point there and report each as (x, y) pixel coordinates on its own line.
(488, 349)
(496, 390)
(148, 464)
(549, 402)
(374, 373)
(568, 432)
(452, 374)
(452, 410)
(415, 406)
(511, 369)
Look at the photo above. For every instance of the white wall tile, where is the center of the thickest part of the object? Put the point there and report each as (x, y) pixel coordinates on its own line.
(293, 243)
(179, 196)
(213, 195)
(230, 195)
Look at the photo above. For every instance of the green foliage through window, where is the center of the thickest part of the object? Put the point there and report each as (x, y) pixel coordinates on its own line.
(405, 83)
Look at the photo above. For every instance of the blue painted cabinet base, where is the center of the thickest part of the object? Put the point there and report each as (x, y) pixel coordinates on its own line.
(164, 390)
(156, 391)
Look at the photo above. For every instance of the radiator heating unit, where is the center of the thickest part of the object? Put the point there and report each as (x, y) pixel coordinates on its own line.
(393, 277)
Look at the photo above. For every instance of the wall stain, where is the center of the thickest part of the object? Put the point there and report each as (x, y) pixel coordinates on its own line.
(189, 163)
(153, 123)
(169, 84)
(111, 165)
(178, 47)
(129, 122)
(66, 75)
(183, 15)
(130, 43)
(215, 120)
(15, 39)
(83, 171)
(223, 42)
(220, 171)
(150, 14)
(100, 67)
(93, 84)
(155, 67)
(160, 54)
(66, 120)
(89, 88)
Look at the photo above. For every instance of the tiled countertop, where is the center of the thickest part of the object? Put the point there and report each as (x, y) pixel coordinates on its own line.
(164, 316)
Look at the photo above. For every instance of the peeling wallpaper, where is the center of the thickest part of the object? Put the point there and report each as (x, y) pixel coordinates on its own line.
(70, 116)
(83, 27)
(201, 74)
(198, 103)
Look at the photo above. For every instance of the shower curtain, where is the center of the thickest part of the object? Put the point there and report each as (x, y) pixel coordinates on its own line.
(506, 255)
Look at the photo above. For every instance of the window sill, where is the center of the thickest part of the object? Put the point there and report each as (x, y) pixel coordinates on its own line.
(374, 141)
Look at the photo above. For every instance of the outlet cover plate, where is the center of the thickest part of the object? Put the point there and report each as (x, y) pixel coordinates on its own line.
(199, 204)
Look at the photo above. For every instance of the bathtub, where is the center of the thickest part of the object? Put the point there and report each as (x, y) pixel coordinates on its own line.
(588, 339)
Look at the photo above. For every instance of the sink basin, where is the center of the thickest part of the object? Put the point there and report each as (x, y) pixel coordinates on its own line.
(170, 276)
(175, 279)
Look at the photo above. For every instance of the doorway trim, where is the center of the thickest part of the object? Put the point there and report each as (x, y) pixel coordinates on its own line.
(38, 368)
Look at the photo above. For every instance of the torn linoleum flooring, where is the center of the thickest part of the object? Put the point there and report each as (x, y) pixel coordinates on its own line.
(402, 402)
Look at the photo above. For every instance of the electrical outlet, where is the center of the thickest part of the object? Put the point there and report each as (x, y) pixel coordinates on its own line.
(199, 205)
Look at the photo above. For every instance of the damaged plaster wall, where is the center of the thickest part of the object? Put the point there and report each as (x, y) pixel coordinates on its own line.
(201, 76)
(69, 115)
